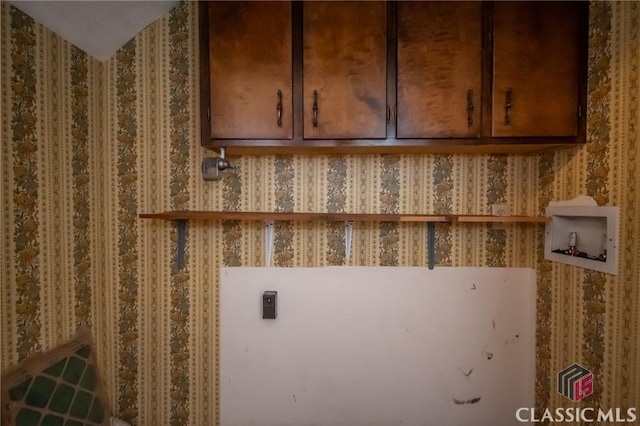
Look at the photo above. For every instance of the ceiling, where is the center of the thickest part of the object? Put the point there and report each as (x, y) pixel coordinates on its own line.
(99, 28)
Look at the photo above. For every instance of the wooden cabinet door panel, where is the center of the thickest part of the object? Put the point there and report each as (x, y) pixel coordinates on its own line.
(344, 63)
(439, 69)
(536, 60)
(250, 61)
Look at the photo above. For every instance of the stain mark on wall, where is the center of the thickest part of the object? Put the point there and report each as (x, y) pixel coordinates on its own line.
(466, 401)
(465, 374)
(512, 341)
(489, 355)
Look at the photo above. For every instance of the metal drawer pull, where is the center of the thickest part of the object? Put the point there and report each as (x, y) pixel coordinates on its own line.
(279, 108)
(470, 108)
(507, 107)
(315, 108)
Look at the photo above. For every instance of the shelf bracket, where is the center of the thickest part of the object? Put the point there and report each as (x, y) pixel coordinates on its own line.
(348, 237)
(181, 226)
(431, 236)
(268, 241)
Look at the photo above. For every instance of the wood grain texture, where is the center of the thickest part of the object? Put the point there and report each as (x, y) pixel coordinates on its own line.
(345, 62)
(338, 217)
(250, 60)
(341, 49)
(299, 217)
(523, 146)
(439, 61)
(537, 55)
(500, 219)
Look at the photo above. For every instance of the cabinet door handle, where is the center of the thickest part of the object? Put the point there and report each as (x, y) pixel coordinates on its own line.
(470, 108)
(315, 108)
(279, 108)
(507, 106)
(388, 114)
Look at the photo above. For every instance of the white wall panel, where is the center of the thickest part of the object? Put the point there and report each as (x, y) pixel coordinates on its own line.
(377, 346)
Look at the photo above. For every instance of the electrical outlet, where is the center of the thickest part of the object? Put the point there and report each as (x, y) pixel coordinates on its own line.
(500, 209)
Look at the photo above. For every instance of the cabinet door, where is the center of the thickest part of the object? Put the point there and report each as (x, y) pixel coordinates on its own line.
(536, 68)
(439, 69)
(344, 70)
(251, 70)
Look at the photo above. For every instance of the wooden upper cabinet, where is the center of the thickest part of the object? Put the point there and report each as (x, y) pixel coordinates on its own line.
(344, 70)
(393, 76)
(250, 61)
(439, 69)
(536, 59)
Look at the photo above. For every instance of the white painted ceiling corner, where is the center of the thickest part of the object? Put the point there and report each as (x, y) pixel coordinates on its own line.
(100, 27)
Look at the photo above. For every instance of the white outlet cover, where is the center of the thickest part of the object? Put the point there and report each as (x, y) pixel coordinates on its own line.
(500, 209)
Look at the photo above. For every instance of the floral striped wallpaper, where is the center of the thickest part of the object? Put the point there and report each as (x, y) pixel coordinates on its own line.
(87, 146)
(586, 316)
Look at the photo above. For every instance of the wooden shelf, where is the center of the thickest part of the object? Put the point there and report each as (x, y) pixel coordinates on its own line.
(182, 216)
(499, 219)
(296, 217)
(338, 217)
